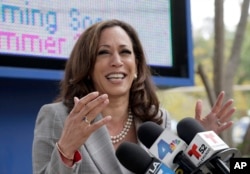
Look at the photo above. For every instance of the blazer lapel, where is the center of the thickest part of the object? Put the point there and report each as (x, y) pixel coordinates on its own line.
(102, 151)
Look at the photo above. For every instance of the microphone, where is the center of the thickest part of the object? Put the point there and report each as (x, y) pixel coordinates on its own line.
(137, 160)
(205, 148)
(166, 146)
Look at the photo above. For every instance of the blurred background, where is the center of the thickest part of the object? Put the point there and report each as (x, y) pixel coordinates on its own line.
(221, 49)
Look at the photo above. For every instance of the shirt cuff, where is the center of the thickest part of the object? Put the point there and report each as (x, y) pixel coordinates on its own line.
(77, 156)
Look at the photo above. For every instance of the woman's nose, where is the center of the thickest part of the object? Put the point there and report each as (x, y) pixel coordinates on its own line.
(116, 60)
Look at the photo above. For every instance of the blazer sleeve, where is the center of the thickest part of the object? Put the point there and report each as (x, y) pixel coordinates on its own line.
(166, 119)
(45, 157)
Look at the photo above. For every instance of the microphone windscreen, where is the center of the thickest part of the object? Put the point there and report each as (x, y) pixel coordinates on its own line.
(187, 128)
(133, 157)
(148, 132)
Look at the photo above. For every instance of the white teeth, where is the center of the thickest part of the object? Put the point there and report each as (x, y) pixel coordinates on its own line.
(116, 76)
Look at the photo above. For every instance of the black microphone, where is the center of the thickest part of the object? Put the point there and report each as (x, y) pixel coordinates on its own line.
(206, 149)
(137, 160)
(166, 146)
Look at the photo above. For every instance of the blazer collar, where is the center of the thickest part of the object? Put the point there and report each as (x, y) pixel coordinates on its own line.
(102, 151)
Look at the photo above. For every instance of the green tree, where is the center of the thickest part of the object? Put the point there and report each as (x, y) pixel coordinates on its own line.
(243, 72)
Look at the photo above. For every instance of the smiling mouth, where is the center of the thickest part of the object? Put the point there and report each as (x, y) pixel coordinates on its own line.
(116, 76)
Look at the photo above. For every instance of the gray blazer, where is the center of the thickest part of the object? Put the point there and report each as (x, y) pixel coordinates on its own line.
(98, 154)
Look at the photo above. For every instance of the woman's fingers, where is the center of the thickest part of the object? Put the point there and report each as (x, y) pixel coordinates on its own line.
(83, 101)
(223, 127)
(226, 107)
(88, 107)
(229, 114)
(94, 107)
(220, 115)
(100, 123)
(198, 110)
(218, 102)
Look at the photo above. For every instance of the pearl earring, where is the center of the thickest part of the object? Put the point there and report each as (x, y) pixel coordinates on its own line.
(135, 76)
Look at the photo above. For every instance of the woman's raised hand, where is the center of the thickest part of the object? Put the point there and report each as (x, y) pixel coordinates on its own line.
(219, 118)
(78, 125)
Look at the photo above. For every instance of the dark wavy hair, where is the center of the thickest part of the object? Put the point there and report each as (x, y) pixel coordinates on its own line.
(143, 101)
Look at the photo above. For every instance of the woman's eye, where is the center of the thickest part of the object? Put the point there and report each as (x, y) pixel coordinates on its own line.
(103, 52)
(126, 51)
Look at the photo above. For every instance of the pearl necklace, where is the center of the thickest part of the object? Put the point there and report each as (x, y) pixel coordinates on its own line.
(117, 138)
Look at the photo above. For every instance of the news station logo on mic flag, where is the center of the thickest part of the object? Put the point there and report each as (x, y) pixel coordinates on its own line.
(240, 165)
(203, 146)
(157, 167)
(166, 147)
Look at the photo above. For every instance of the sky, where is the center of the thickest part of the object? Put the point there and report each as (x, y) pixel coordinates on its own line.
(201, 9)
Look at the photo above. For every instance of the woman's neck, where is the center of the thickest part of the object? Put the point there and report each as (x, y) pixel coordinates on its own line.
(117, 108)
